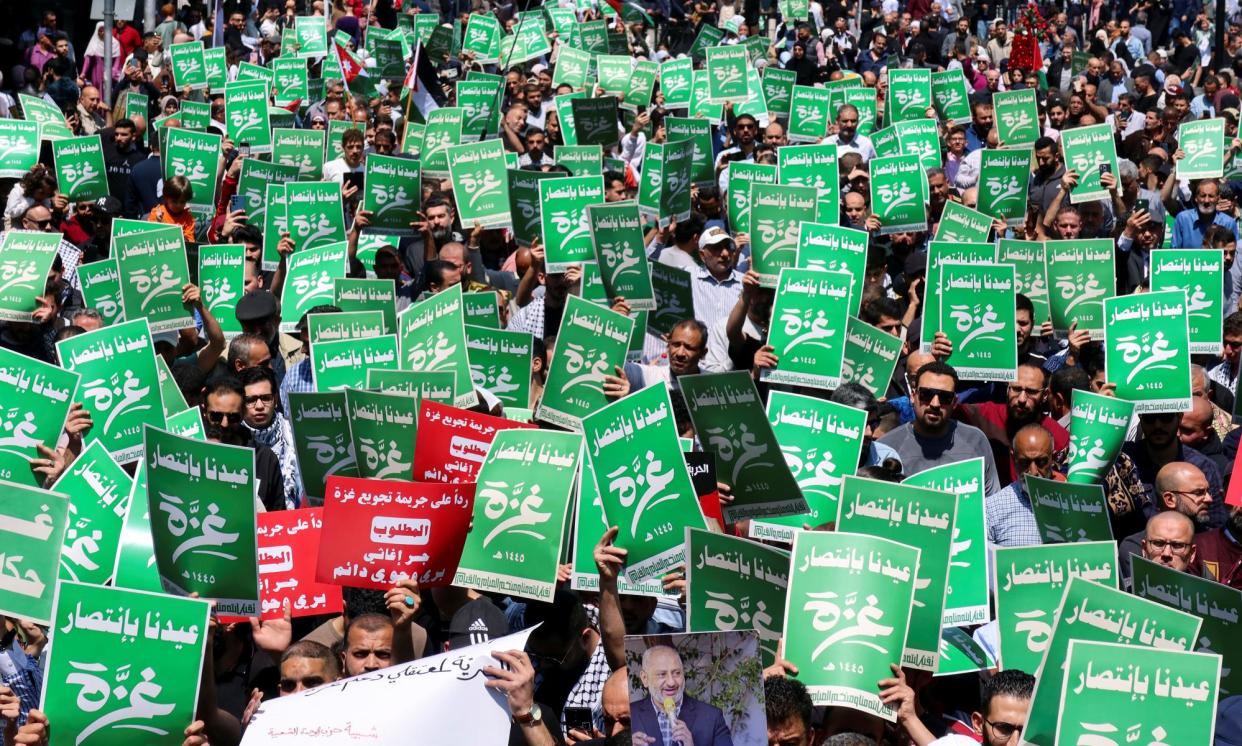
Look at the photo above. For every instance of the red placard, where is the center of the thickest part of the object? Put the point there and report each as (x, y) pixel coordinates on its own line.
(452, 443)
(1233, 495)
(378, 532)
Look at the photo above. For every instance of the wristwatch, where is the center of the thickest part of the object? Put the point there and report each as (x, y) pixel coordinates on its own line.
(533, 717)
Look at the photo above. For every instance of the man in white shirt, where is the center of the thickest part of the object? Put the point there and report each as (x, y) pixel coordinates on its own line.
(353, 144)
(847, 138)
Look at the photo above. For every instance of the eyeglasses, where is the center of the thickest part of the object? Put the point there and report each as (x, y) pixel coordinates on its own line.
(1200, 493)
(1004, 730)
(265, 398)
(308, 682)
(41, 224)
(219, 417)
(926, 395)
(1177, 547)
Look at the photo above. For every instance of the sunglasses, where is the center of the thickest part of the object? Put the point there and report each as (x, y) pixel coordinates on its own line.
(927, 395)
(218, 417)
(308, 682)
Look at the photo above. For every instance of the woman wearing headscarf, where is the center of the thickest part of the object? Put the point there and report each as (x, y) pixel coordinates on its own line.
(802, 65)
(93, 62)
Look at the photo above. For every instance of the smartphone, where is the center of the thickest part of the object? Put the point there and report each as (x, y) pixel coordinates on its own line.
(354, 180)
(1106, 168)
(237, 202)
(244, 149)
(1142, 204)
(579, 718)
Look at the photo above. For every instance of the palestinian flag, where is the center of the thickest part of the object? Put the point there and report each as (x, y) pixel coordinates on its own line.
(630, 11)
(423, 84)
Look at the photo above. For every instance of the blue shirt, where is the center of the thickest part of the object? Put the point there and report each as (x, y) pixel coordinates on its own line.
(1188, 228)
(1011, 520)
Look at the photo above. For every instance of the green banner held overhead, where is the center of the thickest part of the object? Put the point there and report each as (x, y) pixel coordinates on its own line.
(950, 98)
(1004, 176)
(80, 170)
(19, 147)
(664, 189)
(382, 428)
(975, 303)
(808, 114)
(591, 343)
(967, 599)
(674, 298)
(315, 213)
(1066, 512)
(960, 224)
(98, 490)
(920, 518)
(310, 280)
(1030, 582)
(433, 339)
(909, 94)
(730, 421)
(813, 166)
(524, 489)
(777, 212)
(1217, 605)
(393, 194)
(36, 397)
(119, 356)
(1030, 273)
(633, 441)
(870, 357)
(1203, 142)
(500, 363)
(620, 250)
(1147, 350)
(1201, 274)
(1093, 612)
(301, 148)
(25, 259)
(831, 248)
(32, 530)
(837, 577)
(202, 499)
(897, 186)
(1081, 274)
(189, 69)
(479, 183)
(736, 584)
(1089, 151)
(565, 221)
(245, 111)
(1017, 118)
(321, 434)
(726, 74)
(336, 366)
(1098, 426)
(741, 176)
(808, 327)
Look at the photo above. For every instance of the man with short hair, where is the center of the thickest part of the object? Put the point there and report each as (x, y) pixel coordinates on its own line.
(1196, 431)
(247, 351)
(935, 438)
(687, 345)
(666, 714)
(222, 411)
(615, 702)
(270, 427)
(1220, 550)
(847, 138)
(789, 710)
(1192, 223)
(715, 283)
(1159, 446)
(305, 665)
(1011, 520)
(353, 143)
(1002, 712)
(1225, 373)
(1025, 404)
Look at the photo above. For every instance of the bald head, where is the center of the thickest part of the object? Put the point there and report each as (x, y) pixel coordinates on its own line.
(1169, 540)
(1182, 487)
(1195, 429)
(1032, 451)
(615, 701)
(1198, 381)
(916, 360)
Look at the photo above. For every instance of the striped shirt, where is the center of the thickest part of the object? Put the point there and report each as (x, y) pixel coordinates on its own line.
(714, 299)
(298, 380)
(1011, 521)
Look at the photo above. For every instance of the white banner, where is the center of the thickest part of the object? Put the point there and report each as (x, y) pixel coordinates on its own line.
(384, 707)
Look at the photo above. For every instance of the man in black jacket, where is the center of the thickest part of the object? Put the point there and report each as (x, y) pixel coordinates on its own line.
(222, 421)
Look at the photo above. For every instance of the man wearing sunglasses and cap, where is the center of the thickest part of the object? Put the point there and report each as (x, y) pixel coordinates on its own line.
(935, 438)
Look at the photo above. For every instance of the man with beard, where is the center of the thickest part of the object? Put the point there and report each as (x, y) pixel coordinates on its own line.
(121, 153)
(270, 427)
(222, 411)
(1025, 404)
(1159, 446)
(935, 438)
(434, 229)
(847, 138)
(1220, 551)
(1184, 502)
(715, 283)
(1191, 224)
(1046, 178)
(981, 120)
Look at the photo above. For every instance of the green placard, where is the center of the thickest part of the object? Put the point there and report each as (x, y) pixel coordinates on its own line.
(382, 429)
(808, 329)
(135, 562)
(189, 69)
(808, 114)
(834, 579)
(974, 313)
(565, 221)
(98, 490)
(124, 662)
(301, 148)
(222, 279)
(333, 327)
(778, 88)
(52, 124)
(897, 190)
(275, 225)
(343, 364)
(245, 111)
(393, 193)
(479, 183)
(777, 211)
(479, 101)
(572, 67)
(1217, 605)
(1066, 512)
(19, 147)
(591, 343)
(831, 248)
(1147, 350)
(443, 130)
(32, 529)
(1027, 258)
(640, 86)
(1004, 176)
(595, 122)
(676, 76)
(363, 294)
(726, 74)
(80, 169)
(909, 94)
(25, 258)
(741, 176)
(967, 600)
(920, 518)
(196, 156)
(202, 498)
(1017, 118)
(635, 439)
(1200, 273)
(736, 584)
(433, 339)
(1203, 142)
(870, 357)
(36, 397)
(1081, 275)
(674, 298)
(616, 232)
(708, 36)
(813, 166)
(581, 160)
(730, 421)
(524, 206)
(1086, 149)
(482, 37)
(253, 181)
(500, 363)
(524, 489)
(310, 280)
(1030, 582)
(321, 435)
(1098, 426)
(315, 213)
(1118, 618)
(291, 80)
(949, 96)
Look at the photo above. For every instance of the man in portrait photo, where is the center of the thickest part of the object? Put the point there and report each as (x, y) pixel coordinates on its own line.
(666, 715)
